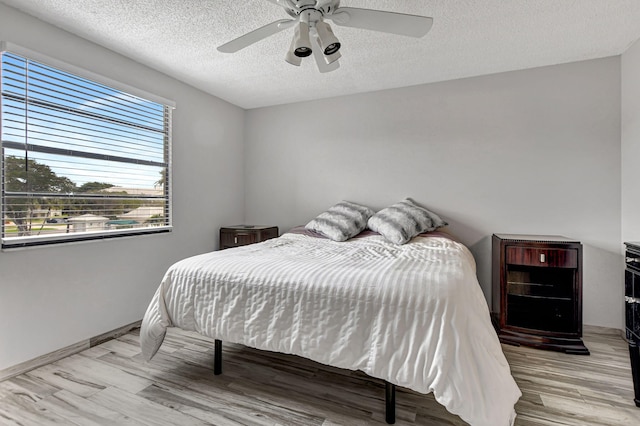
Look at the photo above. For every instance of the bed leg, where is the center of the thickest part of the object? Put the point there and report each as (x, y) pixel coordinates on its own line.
(217, 357)
(390, 402)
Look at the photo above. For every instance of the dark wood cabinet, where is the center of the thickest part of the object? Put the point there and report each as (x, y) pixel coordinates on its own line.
(632, 312)
(241, 235)
(537, 291)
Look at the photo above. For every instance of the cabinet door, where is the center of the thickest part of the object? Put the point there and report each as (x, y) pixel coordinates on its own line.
(551, 315)
(632, 275)
(540, 288)
(632, 299)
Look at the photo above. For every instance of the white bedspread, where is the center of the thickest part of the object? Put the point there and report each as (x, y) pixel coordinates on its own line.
(413, 315)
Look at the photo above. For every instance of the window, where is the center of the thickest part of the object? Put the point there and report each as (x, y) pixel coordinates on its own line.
(80, 159)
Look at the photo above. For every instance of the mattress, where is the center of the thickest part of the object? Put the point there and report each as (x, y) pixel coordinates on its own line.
(413, 314)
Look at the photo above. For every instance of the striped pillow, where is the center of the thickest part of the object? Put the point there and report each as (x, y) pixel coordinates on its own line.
(404, 220)
(342, 221)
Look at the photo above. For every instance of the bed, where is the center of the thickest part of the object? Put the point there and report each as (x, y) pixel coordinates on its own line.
(412, 315)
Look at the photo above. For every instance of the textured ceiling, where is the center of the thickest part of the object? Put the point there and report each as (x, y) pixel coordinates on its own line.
(468, 38)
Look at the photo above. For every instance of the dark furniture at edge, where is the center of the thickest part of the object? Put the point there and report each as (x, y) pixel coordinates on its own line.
(241, 235)
(632, 312)
(537, 291)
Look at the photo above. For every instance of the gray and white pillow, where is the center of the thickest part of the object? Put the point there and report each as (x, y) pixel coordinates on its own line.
(438, 222)
(342, 221)
(404, 220)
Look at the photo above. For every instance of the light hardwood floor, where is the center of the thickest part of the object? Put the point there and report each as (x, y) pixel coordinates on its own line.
(109, 384)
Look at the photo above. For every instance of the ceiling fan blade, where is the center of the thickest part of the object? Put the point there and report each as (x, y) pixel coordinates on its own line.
(378, 20)
(319, 57)
(322, 3)
(288, 6)
(256, 35)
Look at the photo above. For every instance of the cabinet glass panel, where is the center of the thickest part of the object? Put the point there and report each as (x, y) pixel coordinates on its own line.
(540, 298)
(540, 314)
(632, 260)
(636, 321)
(532, 282)
(633, 320)
(631, 284)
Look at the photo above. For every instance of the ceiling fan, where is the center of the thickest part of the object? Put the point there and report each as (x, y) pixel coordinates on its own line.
(312, 35)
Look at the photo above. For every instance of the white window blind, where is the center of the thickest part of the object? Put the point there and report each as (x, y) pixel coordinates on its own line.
(80, 159)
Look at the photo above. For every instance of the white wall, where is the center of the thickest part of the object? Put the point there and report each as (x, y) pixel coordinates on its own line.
(533, 152)
(52, 297)
(631, 144)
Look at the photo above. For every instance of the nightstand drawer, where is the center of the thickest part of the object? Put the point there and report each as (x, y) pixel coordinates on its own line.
(232, 239)
(242, 235)
(544, 257)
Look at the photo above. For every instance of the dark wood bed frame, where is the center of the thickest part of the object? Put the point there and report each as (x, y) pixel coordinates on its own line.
(389, 390)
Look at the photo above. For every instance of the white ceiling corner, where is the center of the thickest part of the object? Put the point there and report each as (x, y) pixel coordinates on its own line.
(468, 38)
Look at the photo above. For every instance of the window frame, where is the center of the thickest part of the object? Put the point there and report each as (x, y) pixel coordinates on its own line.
(168, 107)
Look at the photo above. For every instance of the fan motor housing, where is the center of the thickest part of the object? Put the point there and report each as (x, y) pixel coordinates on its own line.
(296, 7)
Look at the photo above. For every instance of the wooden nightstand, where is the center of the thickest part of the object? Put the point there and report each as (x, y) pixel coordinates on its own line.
(537, 291)
(241, 235)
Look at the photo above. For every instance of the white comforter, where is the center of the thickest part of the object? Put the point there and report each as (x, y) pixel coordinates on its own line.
(413, 315)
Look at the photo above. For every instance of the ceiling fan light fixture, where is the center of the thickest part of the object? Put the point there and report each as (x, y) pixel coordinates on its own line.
(332, 48)
(302, 52)
(324, 66)
(314, 37)
(301, 43)
(329, 59)
(291, 56)
(329, 43)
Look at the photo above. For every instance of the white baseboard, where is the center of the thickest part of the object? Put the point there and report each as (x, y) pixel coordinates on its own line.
(54, 356)
(596, 329)
(113, 334)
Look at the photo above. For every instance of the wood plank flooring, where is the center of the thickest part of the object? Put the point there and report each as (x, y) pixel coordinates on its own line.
(110, 384)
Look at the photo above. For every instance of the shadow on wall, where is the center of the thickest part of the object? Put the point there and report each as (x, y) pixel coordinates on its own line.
(480, 246)
(481, 251)
(602, 286)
